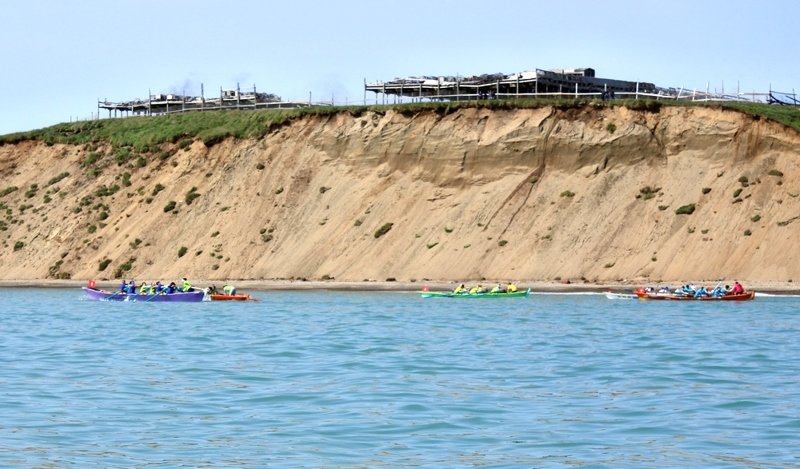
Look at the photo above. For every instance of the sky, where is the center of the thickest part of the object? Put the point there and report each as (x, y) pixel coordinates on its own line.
(59, 58)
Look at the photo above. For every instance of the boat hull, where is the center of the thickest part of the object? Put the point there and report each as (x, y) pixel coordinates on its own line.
(237, 297)
(620, 296)
(746, 296)
(180, 297)
(445, 294)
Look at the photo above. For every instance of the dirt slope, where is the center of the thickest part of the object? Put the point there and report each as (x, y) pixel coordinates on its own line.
(529, 194)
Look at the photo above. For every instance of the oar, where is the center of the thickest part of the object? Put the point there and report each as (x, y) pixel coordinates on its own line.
(113, 295)
(152, 297)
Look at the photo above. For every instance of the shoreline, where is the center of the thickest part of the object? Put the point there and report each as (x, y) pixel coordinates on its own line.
(377, 286)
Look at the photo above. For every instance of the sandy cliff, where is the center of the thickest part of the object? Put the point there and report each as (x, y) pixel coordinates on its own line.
(529, 194)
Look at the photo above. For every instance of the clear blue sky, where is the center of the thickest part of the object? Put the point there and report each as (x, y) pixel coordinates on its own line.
(60, 57)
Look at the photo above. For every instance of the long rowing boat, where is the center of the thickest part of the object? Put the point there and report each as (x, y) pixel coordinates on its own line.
(645, 295)
(449, 294)
(105, 295)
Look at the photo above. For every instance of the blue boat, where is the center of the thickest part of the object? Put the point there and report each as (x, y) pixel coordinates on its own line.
(105, 295)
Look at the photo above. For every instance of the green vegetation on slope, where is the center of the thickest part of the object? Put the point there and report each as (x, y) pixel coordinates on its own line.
(145, 133)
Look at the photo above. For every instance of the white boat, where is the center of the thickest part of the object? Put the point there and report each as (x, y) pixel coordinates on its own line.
(620, 296)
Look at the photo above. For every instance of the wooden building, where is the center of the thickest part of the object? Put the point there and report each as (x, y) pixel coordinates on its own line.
(567, 82)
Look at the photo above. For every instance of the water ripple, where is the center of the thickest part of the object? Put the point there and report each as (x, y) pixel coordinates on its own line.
(321, 379)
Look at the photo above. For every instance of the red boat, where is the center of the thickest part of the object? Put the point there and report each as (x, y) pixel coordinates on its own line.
(237, 297)
(649, 295)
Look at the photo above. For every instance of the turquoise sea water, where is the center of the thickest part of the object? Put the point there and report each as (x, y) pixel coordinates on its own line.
(342, 379)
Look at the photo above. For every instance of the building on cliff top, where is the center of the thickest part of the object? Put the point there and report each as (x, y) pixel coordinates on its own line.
(162, 103)
(538, 83)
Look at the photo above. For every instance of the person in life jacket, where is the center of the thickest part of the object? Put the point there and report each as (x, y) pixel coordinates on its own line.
(700, 292)
(460, 289)
(132, 287)
(511, 288)
(144, 289)
(229, 289)
(123, 287)
(498, 289)
(185, 286)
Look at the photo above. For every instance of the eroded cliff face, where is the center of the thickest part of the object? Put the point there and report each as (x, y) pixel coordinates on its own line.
(528, 194)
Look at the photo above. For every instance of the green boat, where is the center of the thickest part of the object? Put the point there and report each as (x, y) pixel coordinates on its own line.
(449, 294)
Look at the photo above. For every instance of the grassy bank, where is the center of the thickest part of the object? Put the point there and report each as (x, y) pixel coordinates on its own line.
(144, 134)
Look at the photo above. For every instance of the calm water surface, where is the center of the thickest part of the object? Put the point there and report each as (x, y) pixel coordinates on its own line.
(330, 379)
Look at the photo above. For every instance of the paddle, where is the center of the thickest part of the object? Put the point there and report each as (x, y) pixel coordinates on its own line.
(113, 295)
(717, 286)
(92, 285)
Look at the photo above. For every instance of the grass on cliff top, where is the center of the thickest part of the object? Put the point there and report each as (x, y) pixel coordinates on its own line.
(212, 127)
(143, 132)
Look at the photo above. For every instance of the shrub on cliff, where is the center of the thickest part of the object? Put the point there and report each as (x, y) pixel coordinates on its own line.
(191, 195)
(383, 229)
